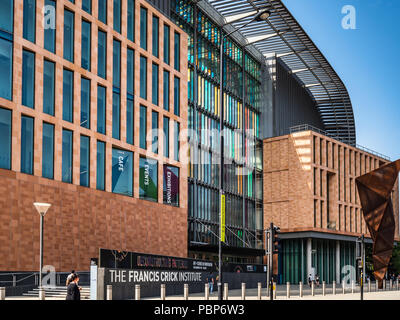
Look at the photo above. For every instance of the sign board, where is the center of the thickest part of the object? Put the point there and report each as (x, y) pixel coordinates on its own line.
(222, 217)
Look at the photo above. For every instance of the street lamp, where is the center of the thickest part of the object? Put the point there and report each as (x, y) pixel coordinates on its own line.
(42, 209)
(262, 15)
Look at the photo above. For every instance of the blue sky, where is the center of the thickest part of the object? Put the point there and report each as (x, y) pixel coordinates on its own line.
(366, 59)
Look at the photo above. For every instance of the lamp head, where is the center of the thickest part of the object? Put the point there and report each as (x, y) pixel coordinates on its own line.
(42, 207)
(263, 15)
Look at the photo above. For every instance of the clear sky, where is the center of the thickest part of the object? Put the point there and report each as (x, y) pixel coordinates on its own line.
(366, 59)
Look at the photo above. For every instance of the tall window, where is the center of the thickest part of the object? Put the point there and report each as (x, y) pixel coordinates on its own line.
(7, 15)
(154, 85)
(166, 90)
(143, 77)
(176, 140)
(85, 161)
(28, 79)
(143, 127)
(117, 15)
(48, 151)
(177, 52)
(129, 121)
(103, 11)
(86, 45)
(154, 126)
(131, 20)
(29, 20)
(49, 30)
(166, 44)
(68, 95)
(69, 35)
(27, 130)
(5, 141)
(166, 136)
(101, 109)
(122, 172)
(101, 165)
(116, 113)
(66, 170)
(176, 95)
(130, 72)
(48, 87)
(102, 54)
(6, 48)
(148, 179)
(155, 37)
(116, 63)
(87, 6)
(85, 103)
(143, 28)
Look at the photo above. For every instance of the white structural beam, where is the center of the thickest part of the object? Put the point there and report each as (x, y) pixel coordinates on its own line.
(240, 16)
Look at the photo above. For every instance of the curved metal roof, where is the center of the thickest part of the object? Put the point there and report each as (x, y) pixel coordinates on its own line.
(283, 36)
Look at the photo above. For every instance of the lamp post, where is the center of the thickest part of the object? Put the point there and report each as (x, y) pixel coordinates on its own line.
(259, 16)
(42, 209)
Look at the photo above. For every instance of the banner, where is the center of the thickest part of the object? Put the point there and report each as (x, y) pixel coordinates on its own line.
(222, 217)
(171, 186)
(148, 179)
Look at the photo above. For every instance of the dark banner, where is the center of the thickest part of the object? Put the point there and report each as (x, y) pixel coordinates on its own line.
(171, 186)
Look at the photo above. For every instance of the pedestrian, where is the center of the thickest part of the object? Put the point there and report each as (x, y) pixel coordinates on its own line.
(69, 278)
(210, 280)
(73, 290)
(317, 280)
(309, 280)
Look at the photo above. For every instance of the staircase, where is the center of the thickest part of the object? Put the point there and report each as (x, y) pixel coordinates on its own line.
(58, 293)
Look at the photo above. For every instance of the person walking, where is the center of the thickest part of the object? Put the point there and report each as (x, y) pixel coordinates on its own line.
(211, 282)
(73, 290)
(309, 280)
(69, 278)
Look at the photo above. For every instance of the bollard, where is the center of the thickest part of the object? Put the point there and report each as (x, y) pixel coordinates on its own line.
(109, 292)
(2, 293)
(343, 287)
(206, 291)
(384, 284)
(323, 287)
(14, 277)
(163, 291)
(268, 289)
(42, 294)
(274, 290)
(391, 284)
(312, 288)
(259, 291)
(137, 291)
(352, 286)
(243, 291)
(369, 285)
(288, 290)
(397, 284)
(225, 291)
(334, 287)
(301, 289)
(185, 291)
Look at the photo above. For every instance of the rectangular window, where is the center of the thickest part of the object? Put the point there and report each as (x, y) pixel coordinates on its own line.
(7, 15)
(116, 112)
(155, 36)
(117, 15)
(101, 109)
(69, 35)
(86, 45)
(48, 151)
(166, 44)
(101, 165)
(130, 71)
(85, 103)
(48, 87)
(27, 130)
(28, 79)
(129, 121)
(166, 136)
(6, 65)
(176, 140)
(29, 24)
(171, 186)
(154, 85)
(68, 95)
(177, 53)
(131, 20)
(176, 96)
(143, 127)
(143, 28)
(87, 6)
(50, 26)
(122, 172)
(5, 141)
(102, 54)
(116, 63)
(66, 156)
(143, 77)
(103, 11)
(85, 161)
(166, 90)
(148, 179)
(154, 126)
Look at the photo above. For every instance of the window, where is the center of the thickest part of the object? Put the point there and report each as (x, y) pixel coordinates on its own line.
(143, 127)
(7, 15)
(176, 140)
(101, 165)
(6, 66)
(66, 156)
(27, 130)
(102, 54)
(166, 136)
(131, 20)
(155, 36)
(154, 85)
(166, 90)
(69, 35)
(48, 87)
(85, 161)
(130, 72)
(116, 113)
(171, 186)
(122, 172)
(86, 45)
(48, 151)
(148, 179)
(166, 44)
(143, 28)
(5, 141)
(176, 95)
(143, 77)
(50, 26)
(68, 95)
(117, 15)
(85, 103)
(29, 24)
(103, 11)
(177, 53)
(28, 79)
(87, 6)
(116, 63)
(129, 121)
(101, 109)
(154, 126)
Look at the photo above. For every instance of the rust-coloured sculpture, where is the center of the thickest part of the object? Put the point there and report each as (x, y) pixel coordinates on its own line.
(374, 189)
